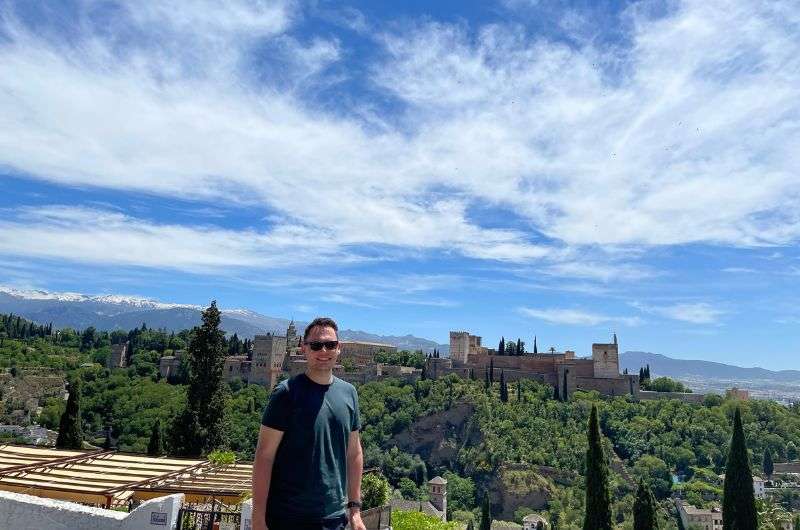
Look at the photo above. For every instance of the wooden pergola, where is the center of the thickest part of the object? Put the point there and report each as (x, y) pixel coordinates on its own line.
(206, 484)
(111, 478)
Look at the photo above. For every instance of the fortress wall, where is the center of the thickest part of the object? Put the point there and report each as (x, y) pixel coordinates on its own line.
(608, 387)
(646, 395)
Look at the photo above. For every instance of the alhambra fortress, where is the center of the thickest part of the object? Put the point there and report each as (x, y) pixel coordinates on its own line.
(274, 356)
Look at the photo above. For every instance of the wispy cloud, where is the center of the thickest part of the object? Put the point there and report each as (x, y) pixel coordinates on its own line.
(739, 270)
(105, 237)
(693, 312)
(604, 272)
(589, 146)
(577, 317)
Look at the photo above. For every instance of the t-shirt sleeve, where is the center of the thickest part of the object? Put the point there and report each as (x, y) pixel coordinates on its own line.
(356, 419)
(278, 410)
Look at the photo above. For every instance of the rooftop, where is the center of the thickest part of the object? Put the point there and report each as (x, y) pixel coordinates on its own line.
(111, 478)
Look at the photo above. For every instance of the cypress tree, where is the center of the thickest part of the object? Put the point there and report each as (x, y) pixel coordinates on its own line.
(70, 435)
(503, 387)
(644, 509)
(769, 467)
(486, 513)
(472, 374)
(205, 424)
(107, 443)
(520, 347)
(519, 391)
(156, 445)
(738, 499)
(501, 348)
(486, 382)
(491, 370)
(598, 497)
(535, 347)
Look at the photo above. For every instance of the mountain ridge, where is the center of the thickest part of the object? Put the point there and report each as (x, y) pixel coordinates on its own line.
(662, 365)
(110, 312)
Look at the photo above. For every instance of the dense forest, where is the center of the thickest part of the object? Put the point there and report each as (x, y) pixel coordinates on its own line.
(517, 436)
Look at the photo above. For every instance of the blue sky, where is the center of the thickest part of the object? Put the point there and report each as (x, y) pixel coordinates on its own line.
(564, 169)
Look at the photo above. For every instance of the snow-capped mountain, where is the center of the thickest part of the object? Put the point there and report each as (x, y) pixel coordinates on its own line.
(112, 311)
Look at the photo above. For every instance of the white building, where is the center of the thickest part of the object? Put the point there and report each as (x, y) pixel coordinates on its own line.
(704, 519)
(759, 488)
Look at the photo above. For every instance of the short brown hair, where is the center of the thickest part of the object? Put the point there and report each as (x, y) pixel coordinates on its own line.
(323, 322)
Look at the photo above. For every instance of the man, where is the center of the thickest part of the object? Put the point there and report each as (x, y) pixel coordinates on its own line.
(308, 465)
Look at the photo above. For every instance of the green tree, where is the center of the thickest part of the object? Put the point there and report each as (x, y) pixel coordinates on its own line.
(791, 451)
(503, 387)
(486, 513)
(70, 434)
(206, 394)
(644, 509)
(598, 497)
(738, 499)
(155, 446)
(769, 466)
(374, 490)
(460, 492)
(107, 442)
(403, 520)
(655, 473)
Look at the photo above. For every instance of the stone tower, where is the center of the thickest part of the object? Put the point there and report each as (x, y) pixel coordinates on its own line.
(291, 335)
(606, 359)
(269, 351)
(437, 489)
(119, 356)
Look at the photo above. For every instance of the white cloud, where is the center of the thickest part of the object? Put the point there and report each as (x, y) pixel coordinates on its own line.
(577, 317)
(100, 236)
(693, 312)
(604, 272)
(739, 270)
(682, 147)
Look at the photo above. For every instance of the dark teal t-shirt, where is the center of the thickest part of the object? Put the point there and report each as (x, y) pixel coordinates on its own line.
(309, 475)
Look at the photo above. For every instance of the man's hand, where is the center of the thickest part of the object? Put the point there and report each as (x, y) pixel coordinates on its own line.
(259, 522)
(355, 521)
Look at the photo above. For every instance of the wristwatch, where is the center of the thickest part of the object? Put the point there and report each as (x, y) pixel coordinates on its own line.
(354, 504)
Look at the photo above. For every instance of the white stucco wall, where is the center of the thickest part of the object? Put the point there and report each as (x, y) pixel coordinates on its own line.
(247, 515)
(26, 512)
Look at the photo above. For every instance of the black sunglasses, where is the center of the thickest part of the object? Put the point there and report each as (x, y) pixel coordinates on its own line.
(328, 344)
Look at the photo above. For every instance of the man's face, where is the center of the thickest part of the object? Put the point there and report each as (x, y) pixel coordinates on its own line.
(323, 359)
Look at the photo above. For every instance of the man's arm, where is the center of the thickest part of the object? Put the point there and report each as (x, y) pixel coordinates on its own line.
(355, 468)
(268, 441)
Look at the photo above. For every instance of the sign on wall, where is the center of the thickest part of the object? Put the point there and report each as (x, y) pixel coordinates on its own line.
(158, 519)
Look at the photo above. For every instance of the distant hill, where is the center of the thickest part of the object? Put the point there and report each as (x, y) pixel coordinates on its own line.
(661, 365)
(110, 312)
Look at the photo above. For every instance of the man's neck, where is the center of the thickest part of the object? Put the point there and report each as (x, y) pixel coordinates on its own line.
(321, 377)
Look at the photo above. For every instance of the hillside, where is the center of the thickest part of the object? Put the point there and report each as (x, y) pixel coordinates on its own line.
(526, 452)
